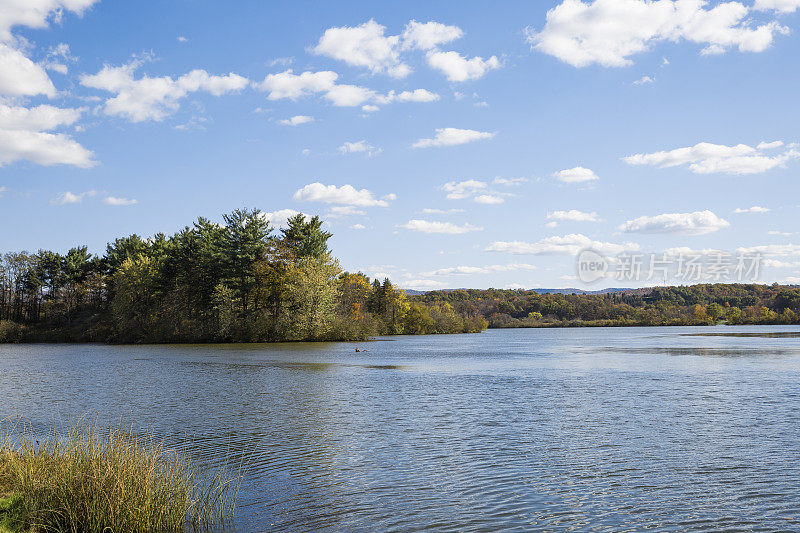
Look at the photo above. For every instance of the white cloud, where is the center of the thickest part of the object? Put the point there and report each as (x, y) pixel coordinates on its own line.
(418, 284)
(24, 137)
(365, 45)
(361, 146)
(771, 249)
(149, 98)
(279, 218)
(428, 35)
(476, 189)
(417, 95)
(489, 199)
(358, 226)
(182, 39)
(776, 263)
(426, 226)
(349, 95)
(369, 108)
(68, 197)
(296, 120)
(293, 86)
(569, 244)
(286, 84)
(754, 209)
(781, 233)
(697, 223)
(473, 270)
(452, 137)
(43, 117)
(458, 68)
(344, 195)
(115, 200)
(573, 215)
(36, 13)
(644, 80)
(575, 175)
(19, 76)
(782, 6)
(431, 211)
(509, 182)
(708, 158)
(459, 190)
(609, 32)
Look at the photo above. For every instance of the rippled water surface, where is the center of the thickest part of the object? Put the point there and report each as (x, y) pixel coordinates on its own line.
(618, 429)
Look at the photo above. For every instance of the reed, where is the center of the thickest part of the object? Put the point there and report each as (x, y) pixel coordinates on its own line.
(87, 479)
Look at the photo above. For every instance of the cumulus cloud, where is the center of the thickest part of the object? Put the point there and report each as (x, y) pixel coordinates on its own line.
(477, 190)
(427, 226)
(697, 223)
(575, 175)
(453, 137)
(489, 199)
(69, 197)
(286, 84)
(458, 68)
(344, 195)
(417, 95)
(609, 32)
(25, 136)
(365, 45)
(296, 120)
(573, 215)
(368, 45)
(708, 158)
(118, 201)
(19, 76)
(781, 6)
(280, 217)
(361, 146)
(293, 86)
(428, 35)
(644, 80)
(754, 209)
(149, 98)
(459, 190)
(569, 244)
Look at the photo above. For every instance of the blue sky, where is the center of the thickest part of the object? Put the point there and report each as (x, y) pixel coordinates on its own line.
(447, 144)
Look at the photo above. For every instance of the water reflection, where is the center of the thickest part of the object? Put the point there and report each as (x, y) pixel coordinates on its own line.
(588, 429)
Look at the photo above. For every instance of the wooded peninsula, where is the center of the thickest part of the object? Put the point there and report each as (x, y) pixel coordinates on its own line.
(238, 281)
(243, 281)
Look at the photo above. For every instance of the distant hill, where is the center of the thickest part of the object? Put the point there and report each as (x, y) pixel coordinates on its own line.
(412, 292)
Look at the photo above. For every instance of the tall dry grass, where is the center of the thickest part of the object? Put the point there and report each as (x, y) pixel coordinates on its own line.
(86, 479)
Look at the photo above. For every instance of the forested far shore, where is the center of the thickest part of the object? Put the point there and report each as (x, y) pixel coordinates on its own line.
(236, 281)
(693, 305)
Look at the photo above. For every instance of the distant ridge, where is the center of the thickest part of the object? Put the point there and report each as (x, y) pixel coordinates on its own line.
(412, 292)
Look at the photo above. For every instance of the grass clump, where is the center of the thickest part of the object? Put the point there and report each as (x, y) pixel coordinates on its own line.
(86, 479)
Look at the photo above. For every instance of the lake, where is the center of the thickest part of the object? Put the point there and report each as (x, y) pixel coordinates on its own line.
(549, 429)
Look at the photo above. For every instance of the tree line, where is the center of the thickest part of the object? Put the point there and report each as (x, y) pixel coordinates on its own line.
(235, 281)
(703, 304)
